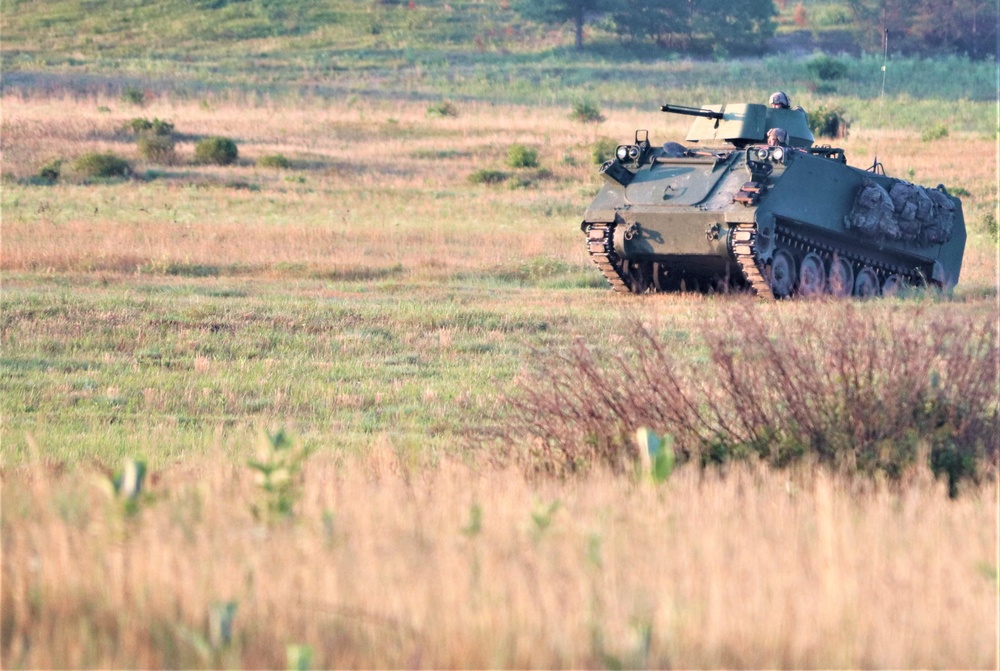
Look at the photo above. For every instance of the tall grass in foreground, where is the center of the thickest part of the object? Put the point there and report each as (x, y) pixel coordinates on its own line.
(388, 564)
(862, 390)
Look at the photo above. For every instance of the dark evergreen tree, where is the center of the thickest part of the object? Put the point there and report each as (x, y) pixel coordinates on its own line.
(666, 22)
(560, 11)
(742, 27)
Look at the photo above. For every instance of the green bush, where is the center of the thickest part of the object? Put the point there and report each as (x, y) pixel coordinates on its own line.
(586, 112)
(937, 132)
(828, 122)
(140, 126)
(154, 139)
(51, 171)
(603, 150)
(134, 96)
(990, 226)
(217, 150)
(156, 148)
(242, 185)
(520, 182)
(98, 164)
(487, 176)
(520, 156)
(826, 69)
(442, 109)
(274, 161)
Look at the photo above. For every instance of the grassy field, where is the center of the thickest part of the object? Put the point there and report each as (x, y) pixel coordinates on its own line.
(378, 304)
(387, 311)
(195, 297)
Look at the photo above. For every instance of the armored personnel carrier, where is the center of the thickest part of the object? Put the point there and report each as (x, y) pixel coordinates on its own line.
(740, 205)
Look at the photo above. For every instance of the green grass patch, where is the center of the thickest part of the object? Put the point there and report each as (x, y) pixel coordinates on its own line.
(488, 177)
(158, 371)
(935, 132)
(442, 109)
(276, 161)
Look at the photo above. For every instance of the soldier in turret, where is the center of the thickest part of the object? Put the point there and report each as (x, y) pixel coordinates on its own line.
(777, 137)
(779, 100)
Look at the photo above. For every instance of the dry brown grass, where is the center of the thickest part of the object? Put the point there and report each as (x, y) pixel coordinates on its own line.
(382, 568)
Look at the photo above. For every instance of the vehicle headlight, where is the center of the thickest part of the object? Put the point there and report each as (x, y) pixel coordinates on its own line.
(622, 152)
(762, 154)
(633, 152)
(778, 153)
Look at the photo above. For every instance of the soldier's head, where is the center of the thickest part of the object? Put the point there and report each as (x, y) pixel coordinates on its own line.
(777, 137)
(779, 100)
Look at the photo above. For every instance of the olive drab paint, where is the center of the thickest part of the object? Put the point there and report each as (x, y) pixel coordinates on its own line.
(729, 210)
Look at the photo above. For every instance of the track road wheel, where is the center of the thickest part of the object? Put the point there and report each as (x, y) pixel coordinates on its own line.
(635, 276)
(893, 285)
(840, 279)
(782, 273)
(812, 275)
(866, 284)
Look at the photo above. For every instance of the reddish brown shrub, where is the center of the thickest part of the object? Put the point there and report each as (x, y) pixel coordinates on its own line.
(862, 388)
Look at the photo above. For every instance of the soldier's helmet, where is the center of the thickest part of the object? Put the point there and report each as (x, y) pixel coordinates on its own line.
(777, 136)
(779, 100)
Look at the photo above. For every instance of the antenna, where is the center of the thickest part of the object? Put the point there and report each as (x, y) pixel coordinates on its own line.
(876, 166)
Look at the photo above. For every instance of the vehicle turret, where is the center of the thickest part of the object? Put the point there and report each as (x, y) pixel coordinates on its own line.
(741, 124)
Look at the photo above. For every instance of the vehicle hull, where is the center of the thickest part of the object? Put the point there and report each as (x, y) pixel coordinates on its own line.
(678, 219)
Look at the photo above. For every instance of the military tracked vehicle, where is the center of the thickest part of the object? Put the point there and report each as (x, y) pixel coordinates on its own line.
(733, 208)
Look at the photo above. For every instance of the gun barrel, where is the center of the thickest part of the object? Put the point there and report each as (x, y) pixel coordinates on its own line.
(691, 111)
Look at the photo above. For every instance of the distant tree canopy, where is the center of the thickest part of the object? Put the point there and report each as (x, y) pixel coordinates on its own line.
(561, 11)
(744, 27)
(667, 23)
(696, 25)
(736, 27)
(929, 26)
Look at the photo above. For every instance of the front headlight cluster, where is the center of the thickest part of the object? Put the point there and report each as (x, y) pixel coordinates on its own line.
(627, 152)
(776, 154)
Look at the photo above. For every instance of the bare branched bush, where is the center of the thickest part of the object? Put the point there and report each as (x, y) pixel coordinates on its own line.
(863, 390)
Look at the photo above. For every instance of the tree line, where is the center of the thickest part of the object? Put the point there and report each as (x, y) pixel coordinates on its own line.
(924, 27)
(929, 27)
(681, 25)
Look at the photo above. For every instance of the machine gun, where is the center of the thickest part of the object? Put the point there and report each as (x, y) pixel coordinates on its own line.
(691, 111)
